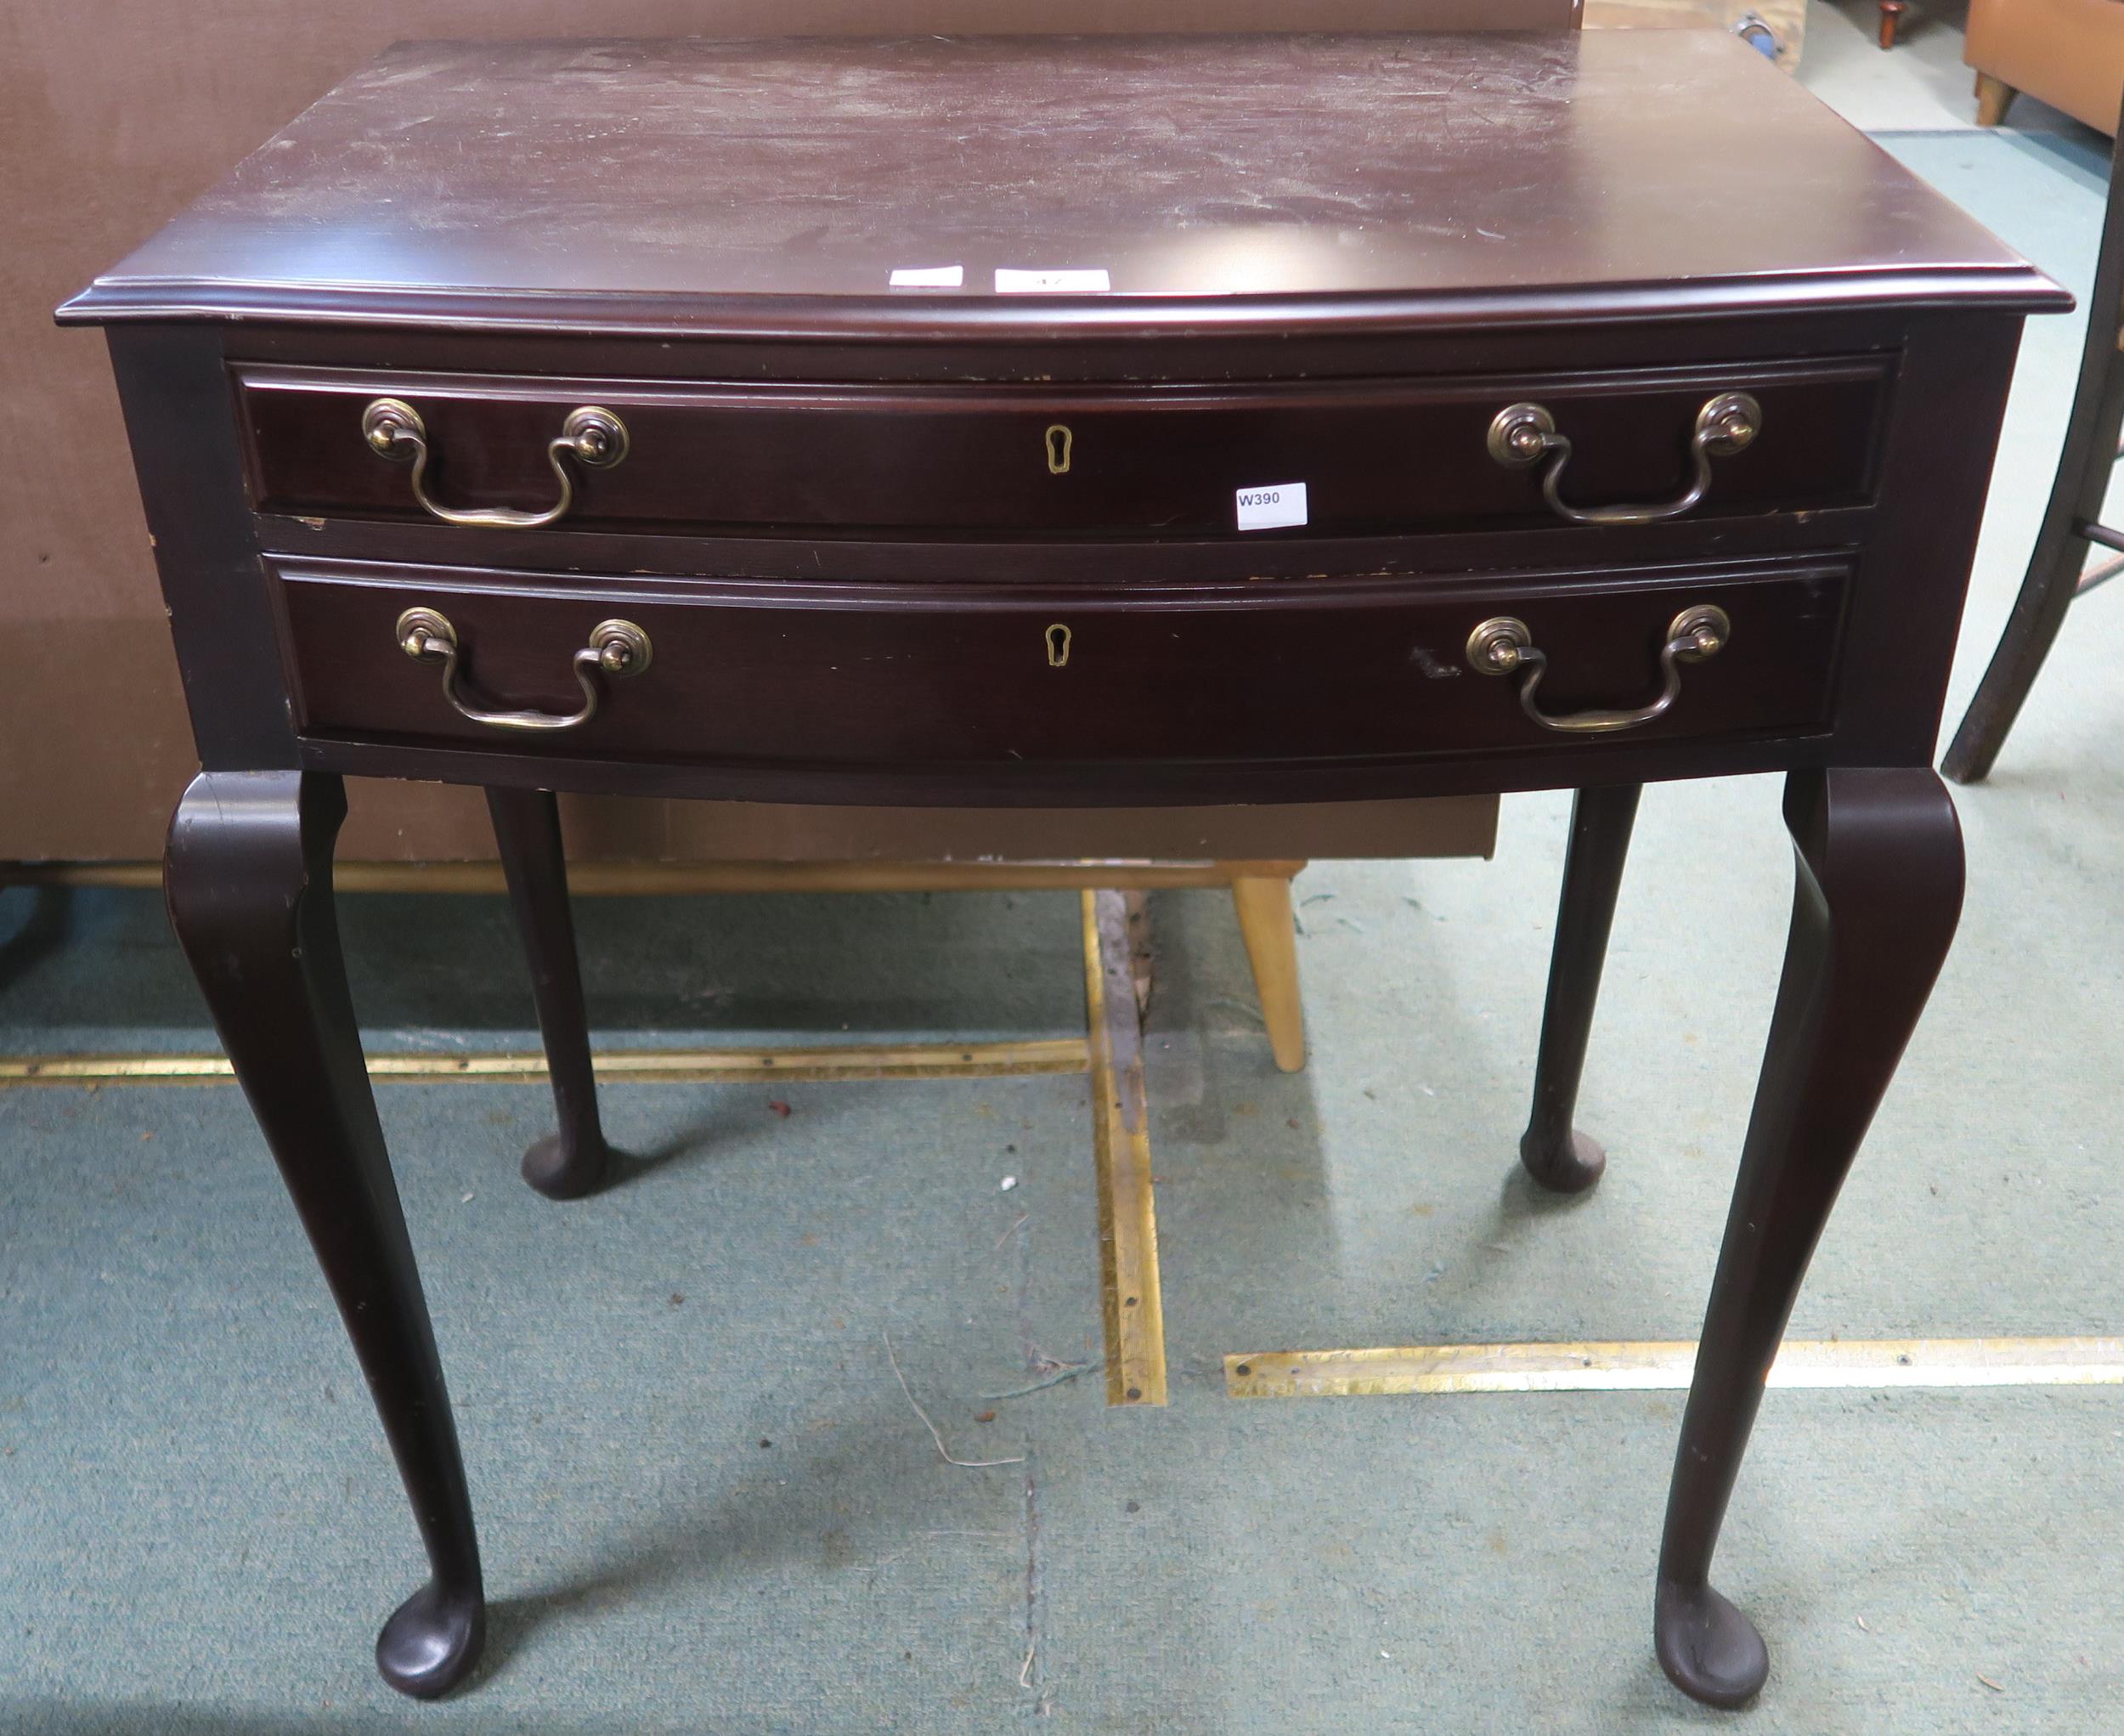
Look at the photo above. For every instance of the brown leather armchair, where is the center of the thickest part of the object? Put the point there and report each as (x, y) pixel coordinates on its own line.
(2068, 53)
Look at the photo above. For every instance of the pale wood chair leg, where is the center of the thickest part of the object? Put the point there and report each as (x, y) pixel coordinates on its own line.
(1994, 97)
(1266, 925)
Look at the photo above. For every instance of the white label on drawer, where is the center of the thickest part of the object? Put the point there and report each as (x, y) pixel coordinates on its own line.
(928, 277)
(1010, 281)
(1272, 508)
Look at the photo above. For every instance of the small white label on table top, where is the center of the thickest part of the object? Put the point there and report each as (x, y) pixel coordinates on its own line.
(928, 277)
(1012, 281)
(1273, 507)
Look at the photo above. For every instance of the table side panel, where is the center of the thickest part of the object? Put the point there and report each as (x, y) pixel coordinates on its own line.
(181, 422)
(1905, 613)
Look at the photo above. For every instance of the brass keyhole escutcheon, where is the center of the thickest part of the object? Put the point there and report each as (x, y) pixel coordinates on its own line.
(1057, 440)
(1058, 638)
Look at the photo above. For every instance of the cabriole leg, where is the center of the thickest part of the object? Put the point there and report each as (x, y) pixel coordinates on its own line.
(1879, 890)
(1555, 1154)
(249, 879)
(575, 1160)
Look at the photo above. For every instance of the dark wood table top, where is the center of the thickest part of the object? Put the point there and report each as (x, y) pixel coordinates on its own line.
(1374, 181)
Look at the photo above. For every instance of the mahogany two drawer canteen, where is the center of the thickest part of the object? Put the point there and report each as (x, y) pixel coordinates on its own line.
(1070, 424)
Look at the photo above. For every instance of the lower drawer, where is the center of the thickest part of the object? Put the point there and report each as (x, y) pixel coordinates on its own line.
(738, 672)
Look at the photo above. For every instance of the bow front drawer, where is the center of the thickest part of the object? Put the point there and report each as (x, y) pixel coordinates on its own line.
(1005, 461)
(737, 673)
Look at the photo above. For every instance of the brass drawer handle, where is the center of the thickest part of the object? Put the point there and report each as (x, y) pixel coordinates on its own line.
(1522, 434)
(616, 648)
(1502, 644)
(594, 437)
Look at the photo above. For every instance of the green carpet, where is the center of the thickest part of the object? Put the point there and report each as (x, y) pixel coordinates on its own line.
(94, 970)
(705, 1502)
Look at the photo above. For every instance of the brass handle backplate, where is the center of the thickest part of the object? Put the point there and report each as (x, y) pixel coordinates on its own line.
(1502, 646)
(616, 648)
(1524, 434)
(594, 439)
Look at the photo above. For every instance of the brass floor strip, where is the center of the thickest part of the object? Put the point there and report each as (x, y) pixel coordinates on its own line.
(1645, 1365)
(1120, 1146)
(591, 879)
(847, 1061)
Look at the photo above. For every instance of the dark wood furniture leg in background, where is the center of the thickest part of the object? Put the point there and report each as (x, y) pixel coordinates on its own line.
(1557, 1154)
(575, 1160)
(249, 879)
(2072, 517)
(1878, 892)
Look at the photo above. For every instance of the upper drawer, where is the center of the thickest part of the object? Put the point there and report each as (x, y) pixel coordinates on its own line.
(1346, 458)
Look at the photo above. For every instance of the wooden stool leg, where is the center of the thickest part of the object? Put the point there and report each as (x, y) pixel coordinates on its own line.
(1266, 925)
(1891, 17)
(2076, 494)
(249, 879)
(1878, 892)
(575, 1160)
(1994, 97)
(2039, 613)
(1557, 1154)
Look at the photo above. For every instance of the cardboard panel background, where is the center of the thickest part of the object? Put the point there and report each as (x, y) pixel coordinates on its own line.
(114, 114)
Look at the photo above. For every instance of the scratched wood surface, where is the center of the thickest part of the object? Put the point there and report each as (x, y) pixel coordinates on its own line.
(1316, 166)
